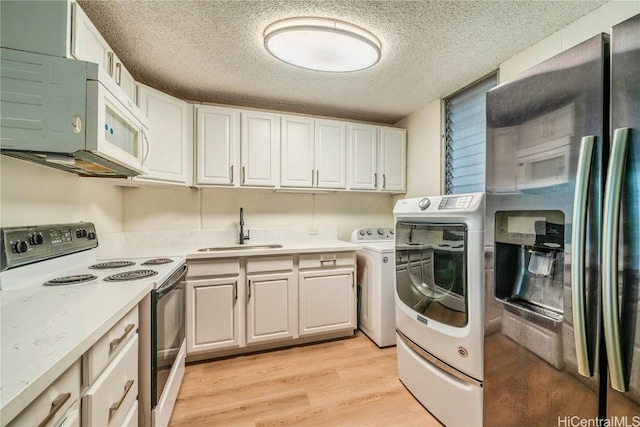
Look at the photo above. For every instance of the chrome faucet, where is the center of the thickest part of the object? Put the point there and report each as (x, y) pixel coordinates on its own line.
(242, 235)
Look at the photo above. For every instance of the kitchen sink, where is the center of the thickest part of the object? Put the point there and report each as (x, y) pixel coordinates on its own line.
(239, 247)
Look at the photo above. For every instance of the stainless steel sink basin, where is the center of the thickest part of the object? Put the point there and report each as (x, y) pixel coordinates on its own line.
(239, 247)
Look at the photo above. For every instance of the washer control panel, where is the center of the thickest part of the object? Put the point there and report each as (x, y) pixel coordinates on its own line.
(372, 234)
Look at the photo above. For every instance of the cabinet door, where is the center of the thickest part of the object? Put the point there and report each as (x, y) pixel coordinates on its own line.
(330, 154)
(124, 79)
(363, 159)
(88, 44)
(212, 314)
(393, 159)
(271, 313)
(259, 150)
(326, 301)
(217, 139)
(169, 136)
(297, 156)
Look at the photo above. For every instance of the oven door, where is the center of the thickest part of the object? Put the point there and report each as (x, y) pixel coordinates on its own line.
(167, 330)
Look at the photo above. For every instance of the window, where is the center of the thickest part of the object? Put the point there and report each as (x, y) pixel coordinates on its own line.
(465, 138)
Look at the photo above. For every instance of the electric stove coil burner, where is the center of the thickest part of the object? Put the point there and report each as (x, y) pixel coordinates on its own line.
(111, 264)
(157, 261)
(71, 280)
(130, 275)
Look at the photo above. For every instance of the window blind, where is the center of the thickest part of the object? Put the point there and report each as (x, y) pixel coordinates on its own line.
(465, 138)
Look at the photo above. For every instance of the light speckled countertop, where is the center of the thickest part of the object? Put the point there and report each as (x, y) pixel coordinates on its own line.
(46, 329)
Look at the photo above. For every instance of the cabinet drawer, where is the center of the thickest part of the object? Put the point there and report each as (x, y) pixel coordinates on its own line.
(98, 357)
(209, 268)
(269, 263)
(131, 420)
(326, 260)
(54, 403)
(108, 401)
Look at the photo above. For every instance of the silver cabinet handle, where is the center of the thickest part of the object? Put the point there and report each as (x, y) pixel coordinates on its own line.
(235, 291)
(611, 221)
(118, 75)
(384, 180)
(110, 58)
(375, 180)
(313, 176)
(249, 290)
(116, 342)
(580, 197)
(116, 406)
(317, 177)
(56, 405)
(243, 176)
(231, 174)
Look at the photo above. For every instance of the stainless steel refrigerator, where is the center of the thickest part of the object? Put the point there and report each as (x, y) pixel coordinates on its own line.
(562, 242)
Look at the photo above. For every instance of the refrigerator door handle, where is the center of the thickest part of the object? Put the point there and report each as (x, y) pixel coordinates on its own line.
(611, 221)
(578, 247)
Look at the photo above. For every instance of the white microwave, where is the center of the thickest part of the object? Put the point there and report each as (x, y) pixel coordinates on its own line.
(70, 115)
(544, 165)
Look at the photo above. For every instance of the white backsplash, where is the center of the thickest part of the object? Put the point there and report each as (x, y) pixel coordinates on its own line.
(180, 242)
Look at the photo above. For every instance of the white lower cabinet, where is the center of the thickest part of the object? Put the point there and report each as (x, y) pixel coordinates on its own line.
(57, 405)
(327, 301)
(235, 306)
(271, 299)
(110, 399)
(212, 314)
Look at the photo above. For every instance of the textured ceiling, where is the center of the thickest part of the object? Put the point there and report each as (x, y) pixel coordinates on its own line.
(212, 50)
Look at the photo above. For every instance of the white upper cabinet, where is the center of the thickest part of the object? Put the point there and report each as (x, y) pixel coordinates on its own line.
(259, 149)
(330, 154)
(297, 159)
(217, 145)
(393, 160)
(313, 153)
(170, 136)
(61, 28)
(363, 156)
(88, 44)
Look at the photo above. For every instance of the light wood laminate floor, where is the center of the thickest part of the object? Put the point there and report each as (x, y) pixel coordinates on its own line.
(348, 382)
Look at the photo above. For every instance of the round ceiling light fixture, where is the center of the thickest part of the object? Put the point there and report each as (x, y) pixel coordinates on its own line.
(322, 44)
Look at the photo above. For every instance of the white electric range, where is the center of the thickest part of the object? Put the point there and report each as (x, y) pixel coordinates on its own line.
(51, 272)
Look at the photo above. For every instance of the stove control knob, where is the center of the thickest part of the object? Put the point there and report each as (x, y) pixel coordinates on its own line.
(81, 233)
(380, 231)
(424, 204)
(361, 232)
(36, 239)
(91, 235)
(368, 232)
(391, 232)
(20, 247)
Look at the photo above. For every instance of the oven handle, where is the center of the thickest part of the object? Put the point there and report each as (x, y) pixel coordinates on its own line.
(173, 282)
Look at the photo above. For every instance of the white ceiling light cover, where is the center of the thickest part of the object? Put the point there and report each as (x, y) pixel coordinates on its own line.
(322, 44)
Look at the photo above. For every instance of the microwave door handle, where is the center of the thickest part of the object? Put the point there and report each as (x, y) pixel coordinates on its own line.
(147, 150)
(578, 247)
(611, 222)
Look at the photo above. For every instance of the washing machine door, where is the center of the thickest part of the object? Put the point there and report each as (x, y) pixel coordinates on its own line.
(431, 276)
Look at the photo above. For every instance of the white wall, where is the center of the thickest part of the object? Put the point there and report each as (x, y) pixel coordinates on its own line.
(179, 208)
(424, 151)
(32, 194)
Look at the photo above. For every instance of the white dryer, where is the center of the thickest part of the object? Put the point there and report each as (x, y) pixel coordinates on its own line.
(439, 244)
(376, 270)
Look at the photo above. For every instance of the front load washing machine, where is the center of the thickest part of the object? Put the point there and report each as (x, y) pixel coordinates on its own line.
(376, 277)
(439, 245)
